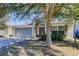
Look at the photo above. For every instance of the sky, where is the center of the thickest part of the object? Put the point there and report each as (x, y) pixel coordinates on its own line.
(19, 22)
(13, 20)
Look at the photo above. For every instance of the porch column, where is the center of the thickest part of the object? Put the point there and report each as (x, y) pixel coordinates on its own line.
(13, 31)
(33, 30)
(38, 30)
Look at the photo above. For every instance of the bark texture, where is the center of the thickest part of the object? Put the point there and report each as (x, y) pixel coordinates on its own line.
(48, 16)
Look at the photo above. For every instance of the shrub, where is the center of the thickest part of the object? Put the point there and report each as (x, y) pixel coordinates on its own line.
(59, 37)
(43, 37)
(1, 36)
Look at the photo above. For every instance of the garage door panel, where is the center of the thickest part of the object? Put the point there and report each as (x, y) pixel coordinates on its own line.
(21, 32)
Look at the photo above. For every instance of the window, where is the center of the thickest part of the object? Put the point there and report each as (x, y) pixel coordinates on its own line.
(58, 30)
(54, 30)
(61, 30)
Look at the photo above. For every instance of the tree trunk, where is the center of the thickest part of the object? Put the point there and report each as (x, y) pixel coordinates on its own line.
(49, 41)
(49, 13)
(48, 26)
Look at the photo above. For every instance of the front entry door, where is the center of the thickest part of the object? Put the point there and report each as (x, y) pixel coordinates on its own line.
(41, 30)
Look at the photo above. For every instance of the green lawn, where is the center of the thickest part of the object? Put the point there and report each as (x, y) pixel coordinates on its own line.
(77, 41)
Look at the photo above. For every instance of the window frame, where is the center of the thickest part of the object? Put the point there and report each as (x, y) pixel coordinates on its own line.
(57, 29)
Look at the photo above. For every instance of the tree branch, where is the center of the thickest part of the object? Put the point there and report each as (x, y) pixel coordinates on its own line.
(53, 9)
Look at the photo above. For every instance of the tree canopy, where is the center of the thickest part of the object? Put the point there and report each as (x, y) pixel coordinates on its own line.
(28, 10)
(37, 11)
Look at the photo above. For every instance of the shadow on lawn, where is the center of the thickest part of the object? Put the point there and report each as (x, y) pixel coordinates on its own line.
(29, 48)
(20, 48)
(66, 44)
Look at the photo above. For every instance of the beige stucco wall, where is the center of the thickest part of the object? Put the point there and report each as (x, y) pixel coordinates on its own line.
(70, 32)
(11, 30)
(5, 34)
(8, 31)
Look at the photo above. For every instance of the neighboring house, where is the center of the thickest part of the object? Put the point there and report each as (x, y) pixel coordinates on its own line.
(58, 27)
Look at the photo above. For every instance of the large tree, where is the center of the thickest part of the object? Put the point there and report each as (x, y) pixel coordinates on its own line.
(49, 11)
(71, 13)
(27, 10)
(3, 12)
(75, 16)
(3, 24)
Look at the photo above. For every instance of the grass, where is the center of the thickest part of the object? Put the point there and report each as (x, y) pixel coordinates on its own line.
(58, 49)
(38, 43)
(77, 41)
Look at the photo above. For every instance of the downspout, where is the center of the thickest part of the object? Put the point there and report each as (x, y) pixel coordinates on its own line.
(74, 37)
(33, 30)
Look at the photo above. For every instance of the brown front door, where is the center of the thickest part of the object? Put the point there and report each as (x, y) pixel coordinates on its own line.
(41, 30)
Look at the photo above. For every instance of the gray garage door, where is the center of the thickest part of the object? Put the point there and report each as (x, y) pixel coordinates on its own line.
(23, 32)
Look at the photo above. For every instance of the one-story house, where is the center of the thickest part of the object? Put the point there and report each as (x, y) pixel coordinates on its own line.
(58, 27)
